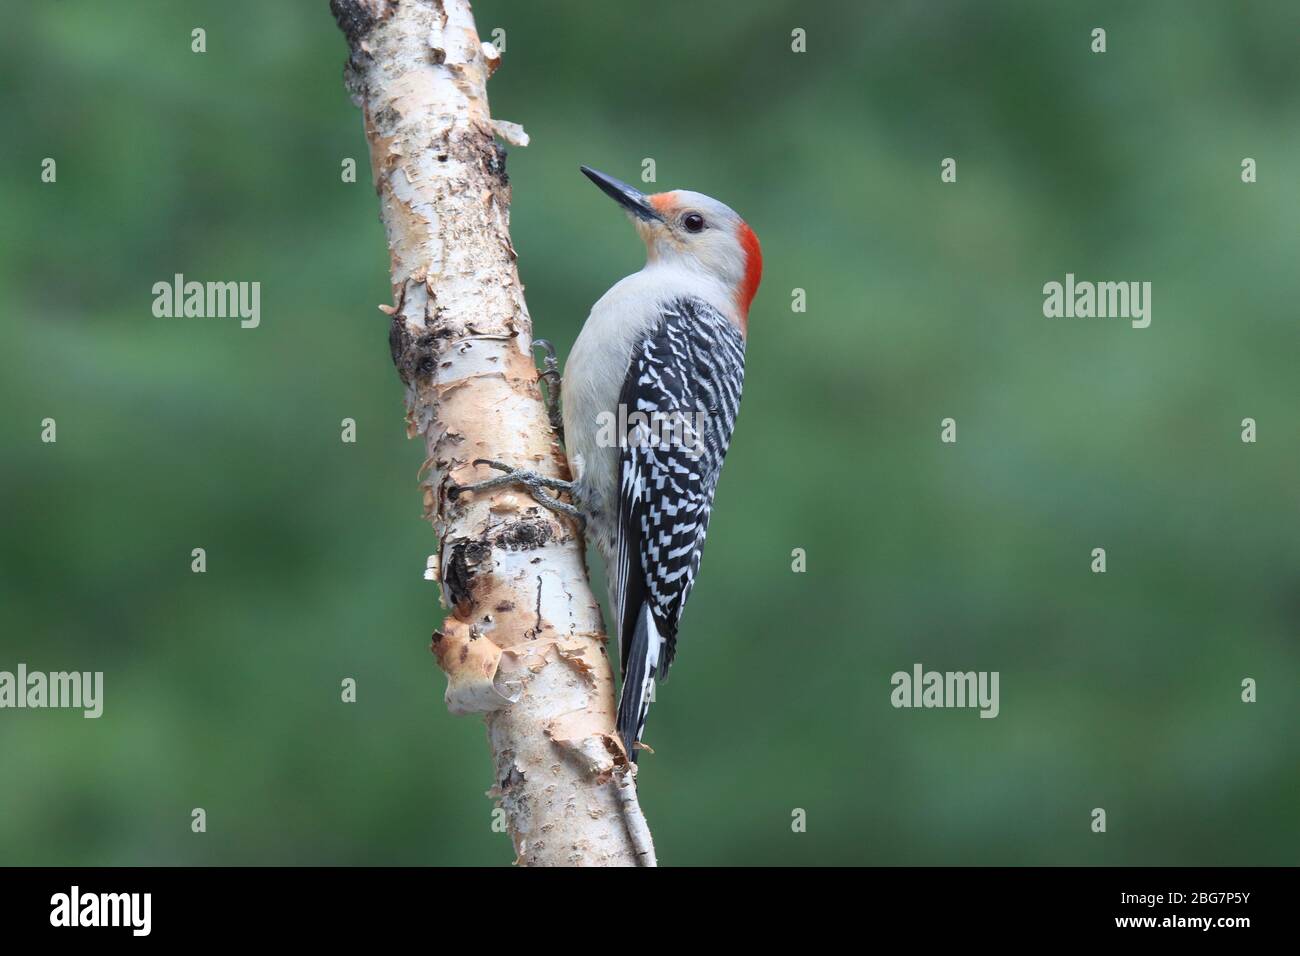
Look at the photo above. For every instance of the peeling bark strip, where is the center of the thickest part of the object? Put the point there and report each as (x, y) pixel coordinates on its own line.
(523, 642)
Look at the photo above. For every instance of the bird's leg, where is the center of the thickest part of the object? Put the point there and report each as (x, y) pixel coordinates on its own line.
(550, 374)
(531, 480)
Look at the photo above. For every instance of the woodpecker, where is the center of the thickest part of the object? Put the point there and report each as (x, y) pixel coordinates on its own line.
(649, 400)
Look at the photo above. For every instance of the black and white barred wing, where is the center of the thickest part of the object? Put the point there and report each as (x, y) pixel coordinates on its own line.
(680, 399)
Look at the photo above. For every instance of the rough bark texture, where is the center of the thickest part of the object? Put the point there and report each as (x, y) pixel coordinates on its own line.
(522, 642)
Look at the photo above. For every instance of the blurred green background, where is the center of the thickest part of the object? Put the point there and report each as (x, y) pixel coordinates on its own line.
(924, 301)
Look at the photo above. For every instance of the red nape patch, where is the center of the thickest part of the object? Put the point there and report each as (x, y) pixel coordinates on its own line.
(753, 270)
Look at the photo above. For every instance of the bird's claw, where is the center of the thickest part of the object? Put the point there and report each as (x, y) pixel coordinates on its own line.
(531, 480)
(545, 344)
(550, 373)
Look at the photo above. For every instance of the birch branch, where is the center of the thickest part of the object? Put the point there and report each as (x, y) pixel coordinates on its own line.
(522, 642)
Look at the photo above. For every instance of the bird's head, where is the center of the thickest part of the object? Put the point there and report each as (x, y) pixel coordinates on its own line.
(694, 231)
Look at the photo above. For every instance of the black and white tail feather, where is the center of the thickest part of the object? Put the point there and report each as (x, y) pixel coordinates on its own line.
(692, 361)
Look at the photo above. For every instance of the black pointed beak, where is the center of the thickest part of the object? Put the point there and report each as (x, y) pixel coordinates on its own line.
(633, 200)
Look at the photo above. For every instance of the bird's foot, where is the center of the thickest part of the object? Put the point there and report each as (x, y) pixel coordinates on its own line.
(550, 374)
(534, 482)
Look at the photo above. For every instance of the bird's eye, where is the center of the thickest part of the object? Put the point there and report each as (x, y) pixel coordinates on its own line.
(693, 222)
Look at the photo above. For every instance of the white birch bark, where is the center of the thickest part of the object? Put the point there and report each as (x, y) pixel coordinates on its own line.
(522, 642)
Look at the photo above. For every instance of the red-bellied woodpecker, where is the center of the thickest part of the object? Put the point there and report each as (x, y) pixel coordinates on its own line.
(650, 395)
